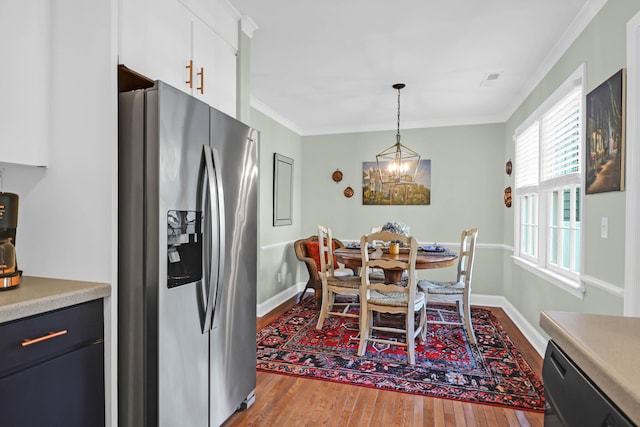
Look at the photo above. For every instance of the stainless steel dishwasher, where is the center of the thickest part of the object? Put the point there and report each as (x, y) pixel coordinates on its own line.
(572, 399)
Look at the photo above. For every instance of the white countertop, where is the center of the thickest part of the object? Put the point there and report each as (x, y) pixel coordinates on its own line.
(36, 295)
(606, 349)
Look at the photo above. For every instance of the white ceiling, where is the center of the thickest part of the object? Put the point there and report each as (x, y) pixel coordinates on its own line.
(328, 66)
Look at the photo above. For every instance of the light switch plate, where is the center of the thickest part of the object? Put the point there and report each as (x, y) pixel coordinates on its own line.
(604, 227)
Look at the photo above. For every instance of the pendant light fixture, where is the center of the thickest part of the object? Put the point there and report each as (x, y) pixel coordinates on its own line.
(398, 164)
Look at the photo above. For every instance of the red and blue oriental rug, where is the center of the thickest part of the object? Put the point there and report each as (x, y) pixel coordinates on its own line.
(447, 366)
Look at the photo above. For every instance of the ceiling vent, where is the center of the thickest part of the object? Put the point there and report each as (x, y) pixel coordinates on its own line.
(490, 79)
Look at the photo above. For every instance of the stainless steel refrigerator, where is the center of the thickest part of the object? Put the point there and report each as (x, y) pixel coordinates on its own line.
(187, 230)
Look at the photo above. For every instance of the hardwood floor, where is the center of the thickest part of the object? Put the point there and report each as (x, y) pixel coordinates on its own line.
(290, 401)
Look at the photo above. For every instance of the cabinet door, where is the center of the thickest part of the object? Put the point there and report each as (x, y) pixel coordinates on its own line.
(160, 38)
(170, 44)
(156, 40)
(65, 391)
(24, 81)
(218, 60)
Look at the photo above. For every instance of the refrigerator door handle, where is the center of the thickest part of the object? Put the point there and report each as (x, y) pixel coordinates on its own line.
(204, 191)
(216, 199)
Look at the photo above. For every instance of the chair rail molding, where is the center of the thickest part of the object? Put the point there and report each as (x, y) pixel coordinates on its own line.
(602, 285)
(632, 226)
(276, 245)
(500, 246)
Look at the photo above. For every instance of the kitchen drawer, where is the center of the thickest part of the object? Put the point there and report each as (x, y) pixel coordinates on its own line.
(74, 326)
(66, 391)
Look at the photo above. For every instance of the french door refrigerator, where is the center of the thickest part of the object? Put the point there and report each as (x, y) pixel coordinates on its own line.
(187, 230)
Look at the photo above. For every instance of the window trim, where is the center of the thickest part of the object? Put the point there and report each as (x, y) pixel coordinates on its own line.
(569, 274)
(570, 286)
(567, 280)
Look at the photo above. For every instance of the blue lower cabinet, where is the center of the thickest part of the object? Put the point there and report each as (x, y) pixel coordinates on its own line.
(59, 380)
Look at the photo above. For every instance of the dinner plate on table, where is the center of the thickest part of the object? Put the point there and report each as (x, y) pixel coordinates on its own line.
(432, 248)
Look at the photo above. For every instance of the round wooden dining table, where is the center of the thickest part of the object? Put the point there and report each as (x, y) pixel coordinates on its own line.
(352, 258)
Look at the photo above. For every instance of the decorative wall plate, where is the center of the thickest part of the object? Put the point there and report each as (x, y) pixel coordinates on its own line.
(507, 197)
(508, 167)
(337, 176)
(348, 192)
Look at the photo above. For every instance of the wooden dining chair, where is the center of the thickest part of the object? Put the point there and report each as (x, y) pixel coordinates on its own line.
(458, 291)
(308, 251)
(334, 283)
(379, 297)
(376, 274)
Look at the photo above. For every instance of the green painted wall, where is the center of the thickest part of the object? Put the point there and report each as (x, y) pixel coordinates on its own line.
(466, 190)
(602, 47)
(275, 249)
(468, 182)
(466, 177)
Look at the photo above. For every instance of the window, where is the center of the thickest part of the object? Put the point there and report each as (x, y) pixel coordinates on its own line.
(529, 225)
(526, 180)
(565, 229)
(548, 185)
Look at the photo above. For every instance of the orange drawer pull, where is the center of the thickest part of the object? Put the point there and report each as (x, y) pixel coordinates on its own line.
(190, 68)
(201, 74)
(44, 337)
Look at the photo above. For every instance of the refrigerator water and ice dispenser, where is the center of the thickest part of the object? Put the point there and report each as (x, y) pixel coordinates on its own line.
(184, 248)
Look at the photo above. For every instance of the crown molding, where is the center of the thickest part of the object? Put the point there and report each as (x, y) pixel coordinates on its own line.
(248, 26)
(577, 26)
(274, 115)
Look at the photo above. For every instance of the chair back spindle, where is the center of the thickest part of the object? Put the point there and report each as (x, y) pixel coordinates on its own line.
(335, 281)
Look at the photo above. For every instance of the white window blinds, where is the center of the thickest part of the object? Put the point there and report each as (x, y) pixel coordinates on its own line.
(526, 166)
(561, 137)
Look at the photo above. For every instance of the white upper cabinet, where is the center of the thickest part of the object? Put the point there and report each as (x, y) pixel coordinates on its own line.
(189, 44)
(24, 82)
(215, 69)
(155, 39)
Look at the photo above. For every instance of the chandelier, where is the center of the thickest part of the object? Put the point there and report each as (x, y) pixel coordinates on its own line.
(398, 164)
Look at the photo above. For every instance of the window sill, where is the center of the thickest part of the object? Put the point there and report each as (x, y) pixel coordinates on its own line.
(574, 288)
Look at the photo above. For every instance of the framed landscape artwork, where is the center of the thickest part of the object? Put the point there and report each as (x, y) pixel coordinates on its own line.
(605, 136)
(417, 193)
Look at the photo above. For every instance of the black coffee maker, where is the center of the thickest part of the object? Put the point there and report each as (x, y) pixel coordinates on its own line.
(9, 273)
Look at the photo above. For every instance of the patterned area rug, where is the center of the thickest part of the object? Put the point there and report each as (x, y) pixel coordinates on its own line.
(447, 366)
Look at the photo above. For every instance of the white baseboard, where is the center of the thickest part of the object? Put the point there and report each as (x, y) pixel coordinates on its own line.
(532, 335)
(276, 300)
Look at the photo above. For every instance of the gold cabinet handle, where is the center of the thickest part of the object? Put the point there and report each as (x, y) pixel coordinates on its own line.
(201, 74)
(43, 338)
(190, 68)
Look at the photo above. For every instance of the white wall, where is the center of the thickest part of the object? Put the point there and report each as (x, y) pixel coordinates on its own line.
(632, 232)
(66, 218)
